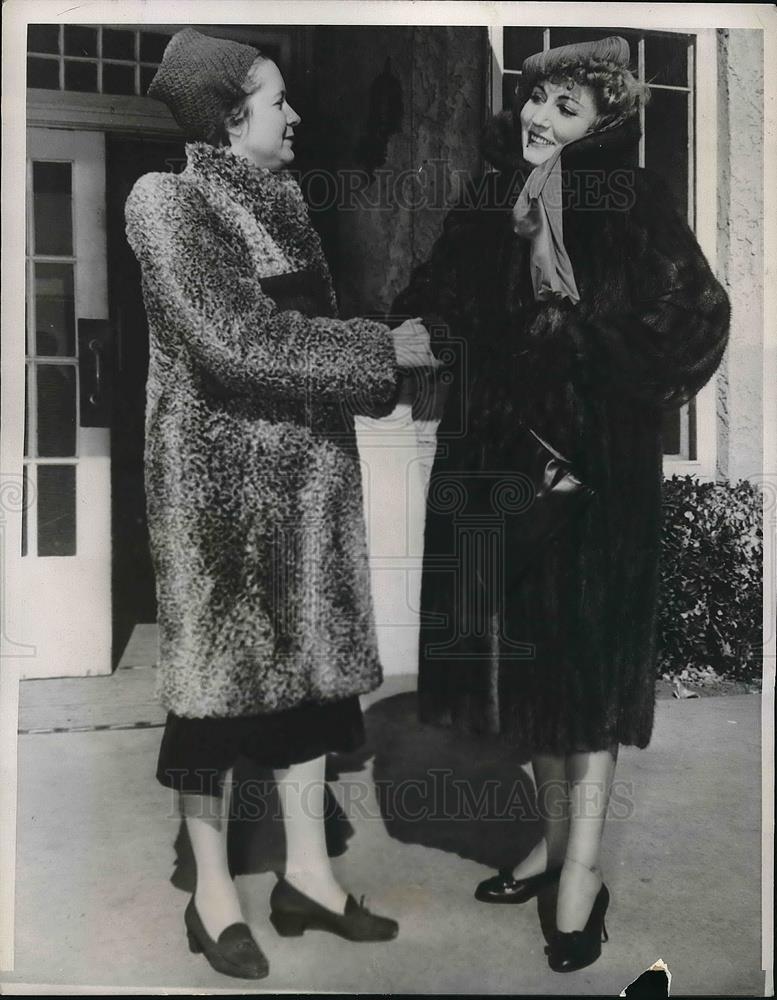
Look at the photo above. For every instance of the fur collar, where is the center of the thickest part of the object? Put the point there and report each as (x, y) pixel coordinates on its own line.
(219, 165)
(234, 186)
(609, 148)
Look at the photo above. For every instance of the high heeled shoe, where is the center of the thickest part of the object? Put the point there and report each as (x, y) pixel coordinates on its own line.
(292, 913)
(573, 950)
(503, 888)
(234, 954)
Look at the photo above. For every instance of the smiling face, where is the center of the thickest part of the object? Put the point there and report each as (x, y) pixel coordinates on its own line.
(265, 130)
(555, 114)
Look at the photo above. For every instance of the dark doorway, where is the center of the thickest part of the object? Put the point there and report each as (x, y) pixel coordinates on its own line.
(133, 585)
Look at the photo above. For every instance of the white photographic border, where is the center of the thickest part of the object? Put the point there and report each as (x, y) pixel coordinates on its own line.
(697, 17)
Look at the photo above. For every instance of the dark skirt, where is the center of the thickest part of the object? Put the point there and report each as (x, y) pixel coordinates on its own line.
(196, 753)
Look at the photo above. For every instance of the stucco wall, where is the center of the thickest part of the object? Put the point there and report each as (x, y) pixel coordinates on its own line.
(740, 249)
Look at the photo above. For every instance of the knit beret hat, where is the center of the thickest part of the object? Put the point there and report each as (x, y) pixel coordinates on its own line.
(199, 78)
(542, 64)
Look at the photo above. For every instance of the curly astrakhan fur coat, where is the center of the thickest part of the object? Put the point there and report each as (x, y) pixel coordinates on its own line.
(564, 659)
(252, 477)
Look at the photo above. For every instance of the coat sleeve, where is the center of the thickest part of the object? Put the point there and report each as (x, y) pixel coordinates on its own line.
(202, 299)
(667, 345)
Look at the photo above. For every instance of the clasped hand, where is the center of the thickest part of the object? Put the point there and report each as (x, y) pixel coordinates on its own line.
(412, 345)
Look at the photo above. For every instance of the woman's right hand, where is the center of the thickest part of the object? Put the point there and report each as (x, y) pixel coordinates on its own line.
(412, 345)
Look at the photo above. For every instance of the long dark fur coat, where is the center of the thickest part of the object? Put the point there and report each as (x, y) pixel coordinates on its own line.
(564, 659)
(252, 475)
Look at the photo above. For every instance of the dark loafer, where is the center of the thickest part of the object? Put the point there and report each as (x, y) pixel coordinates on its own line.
(234, 954)
(573, 950)
(503, 888)
(292, 913)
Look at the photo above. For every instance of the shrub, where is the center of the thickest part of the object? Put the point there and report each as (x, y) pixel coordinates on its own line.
(710, 611)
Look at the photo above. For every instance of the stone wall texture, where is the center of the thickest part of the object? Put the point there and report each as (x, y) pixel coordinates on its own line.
(740, 250)
(391, 224)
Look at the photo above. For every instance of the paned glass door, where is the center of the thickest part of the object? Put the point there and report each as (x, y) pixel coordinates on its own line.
(65, 559)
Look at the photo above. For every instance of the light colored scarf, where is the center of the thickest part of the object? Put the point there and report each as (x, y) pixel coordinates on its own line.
(537, 217)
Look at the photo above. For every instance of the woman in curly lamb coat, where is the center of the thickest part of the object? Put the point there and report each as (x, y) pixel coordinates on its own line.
(253, 486)
(578, 303)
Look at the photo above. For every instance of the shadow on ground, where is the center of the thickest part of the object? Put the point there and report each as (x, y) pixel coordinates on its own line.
(437, 787)
(433, 787)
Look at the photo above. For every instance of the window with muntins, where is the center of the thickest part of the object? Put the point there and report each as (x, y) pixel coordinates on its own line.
(93, 59)
(116, 60)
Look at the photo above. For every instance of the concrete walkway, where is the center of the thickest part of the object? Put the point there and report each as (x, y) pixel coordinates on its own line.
(102, 867)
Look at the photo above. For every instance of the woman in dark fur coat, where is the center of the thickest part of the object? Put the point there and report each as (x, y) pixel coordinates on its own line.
(253, 487)
(583, 308)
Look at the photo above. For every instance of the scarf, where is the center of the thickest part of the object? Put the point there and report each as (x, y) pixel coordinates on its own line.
(537, 217)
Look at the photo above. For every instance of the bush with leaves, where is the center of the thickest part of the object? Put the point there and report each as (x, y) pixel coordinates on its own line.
(710, 612)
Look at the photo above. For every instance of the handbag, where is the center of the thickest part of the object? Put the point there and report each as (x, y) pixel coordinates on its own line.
(553, 497)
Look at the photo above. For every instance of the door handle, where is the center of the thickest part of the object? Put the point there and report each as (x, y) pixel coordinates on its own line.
(95, 398)
(95, 353)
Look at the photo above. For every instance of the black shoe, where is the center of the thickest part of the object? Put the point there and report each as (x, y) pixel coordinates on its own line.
(574, 950)
(234, 954)
(503, 888)
(292, 913)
